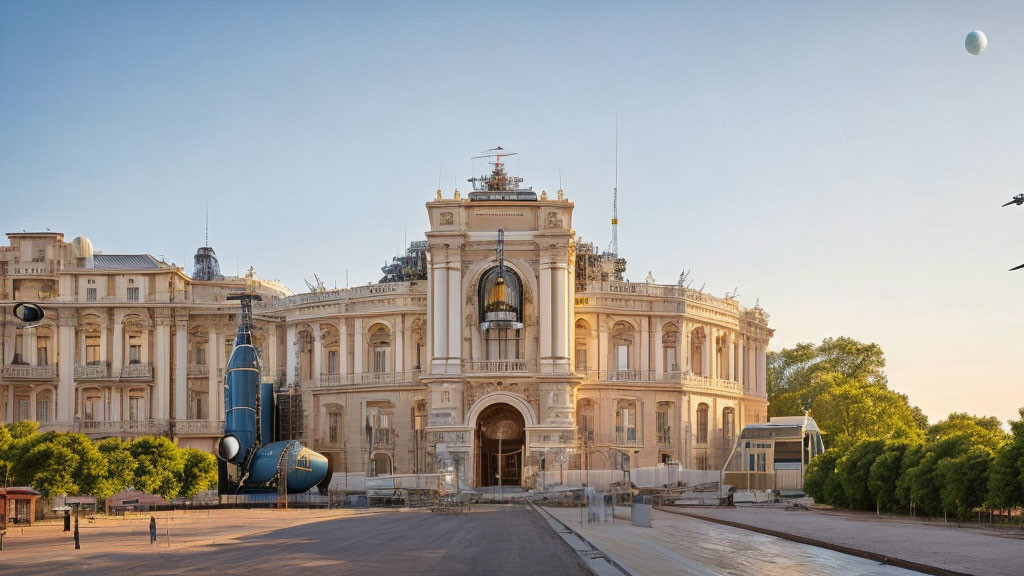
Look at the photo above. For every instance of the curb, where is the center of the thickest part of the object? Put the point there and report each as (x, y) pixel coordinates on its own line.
(596, 560)
(881, 558)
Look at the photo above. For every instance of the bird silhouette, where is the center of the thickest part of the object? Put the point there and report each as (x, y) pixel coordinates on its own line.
(1018, 200)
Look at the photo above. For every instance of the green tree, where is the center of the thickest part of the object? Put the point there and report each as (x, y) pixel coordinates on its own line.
(984, 431)
(120, 467)
(1006, 473)
(964, 481)
(822, 480)
(854, 469)
(924, 481)
(884, 475)
(199, 472)
(795, 370)
(158, 466)
(852, 409)
(22, 428)
(5, 442)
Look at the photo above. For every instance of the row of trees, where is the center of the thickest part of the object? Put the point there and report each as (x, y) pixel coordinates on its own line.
(56, 463)
(882, 454)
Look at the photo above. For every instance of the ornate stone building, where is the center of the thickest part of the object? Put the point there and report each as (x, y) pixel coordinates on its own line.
(498, 346)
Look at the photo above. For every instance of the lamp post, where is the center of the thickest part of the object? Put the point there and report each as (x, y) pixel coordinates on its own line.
(78, 545)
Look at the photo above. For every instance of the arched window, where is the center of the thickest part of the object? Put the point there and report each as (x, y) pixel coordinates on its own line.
(380, 344)
(663, 423)
(625, 422)
(728, 422)
(621, 350)
(582, 333)
(696, 351)
(501, 319)
(702, 423)
(670, 348)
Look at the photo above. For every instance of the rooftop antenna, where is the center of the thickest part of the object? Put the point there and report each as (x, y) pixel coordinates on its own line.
(614, 248)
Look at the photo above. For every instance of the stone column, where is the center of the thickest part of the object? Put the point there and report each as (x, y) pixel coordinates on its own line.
(115, 403)
(559, 309)
(358, 354)
(10, 403)
(741, 369)
(66, 368)
(118, 346)
(270, 356)
(290, 360)
(644, 350)
(144, 357)
(161, 390)
(659, 352)
(343, 347)
(32, 403)
(439, 311)
(544, 298)
(103, 343)
(30, 355)
(454, 318)
(318, 351)
(181, 370)
(732, 356)
(761, 369)
(399, 345)
(602, 347)
(214, 386)
(705, 353)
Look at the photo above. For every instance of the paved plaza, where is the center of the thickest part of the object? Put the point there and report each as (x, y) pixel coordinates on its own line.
(485, 540)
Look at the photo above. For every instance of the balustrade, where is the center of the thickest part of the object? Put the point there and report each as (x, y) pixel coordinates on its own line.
(495, 366)
(87, 371)
(365, 379)
(142, 371)
(199, 427)
(15, 371)
(198, 371)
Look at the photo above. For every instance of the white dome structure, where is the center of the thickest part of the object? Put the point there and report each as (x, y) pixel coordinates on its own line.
(81, 249)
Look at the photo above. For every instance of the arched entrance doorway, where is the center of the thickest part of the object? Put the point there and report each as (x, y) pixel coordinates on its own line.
(380, 464)
(499, 439)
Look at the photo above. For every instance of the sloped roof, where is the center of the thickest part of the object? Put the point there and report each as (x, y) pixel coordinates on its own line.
(126, 262)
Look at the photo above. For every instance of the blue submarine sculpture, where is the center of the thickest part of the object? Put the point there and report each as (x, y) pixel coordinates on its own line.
(249, 442)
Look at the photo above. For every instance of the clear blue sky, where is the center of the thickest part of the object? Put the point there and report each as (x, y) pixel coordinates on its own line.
(843, 163)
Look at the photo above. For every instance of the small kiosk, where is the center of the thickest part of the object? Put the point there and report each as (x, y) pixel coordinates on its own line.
(18, 505)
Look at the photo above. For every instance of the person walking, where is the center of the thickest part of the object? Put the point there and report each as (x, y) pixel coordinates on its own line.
(152, 529)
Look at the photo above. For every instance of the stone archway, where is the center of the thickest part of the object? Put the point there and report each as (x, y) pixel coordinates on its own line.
(499, 444)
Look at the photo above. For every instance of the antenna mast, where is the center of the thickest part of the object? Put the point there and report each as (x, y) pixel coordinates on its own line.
(614, 248)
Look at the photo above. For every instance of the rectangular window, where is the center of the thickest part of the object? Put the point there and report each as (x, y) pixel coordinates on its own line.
(332, 362)
(419, 355)
(42, 411)
(90, 294)
(762, 462)
(332, 427)
(133, 294)
(200, 355)
(581, 358)
(664, 429)
(92, 350)
(133, 408)
(622, 357)
(380, 359)
(751, 467)
(134, 349)
(23, 413)
(42, 351)
(671, 364)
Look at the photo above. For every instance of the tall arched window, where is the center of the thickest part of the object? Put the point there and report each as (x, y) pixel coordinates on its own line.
(379, 343)
(728, 422)
(500, 296)
(702, 423)
(625, 422)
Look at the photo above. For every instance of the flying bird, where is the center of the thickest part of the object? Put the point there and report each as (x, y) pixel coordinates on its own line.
(1018, 200)
(1016, 267)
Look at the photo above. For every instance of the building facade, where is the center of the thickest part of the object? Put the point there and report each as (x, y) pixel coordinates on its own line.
(498, 347)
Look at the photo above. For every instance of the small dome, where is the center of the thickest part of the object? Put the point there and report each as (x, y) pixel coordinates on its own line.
(81, 247)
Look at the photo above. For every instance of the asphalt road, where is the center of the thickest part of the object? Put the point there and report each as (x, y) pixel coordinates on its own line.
(486, 540)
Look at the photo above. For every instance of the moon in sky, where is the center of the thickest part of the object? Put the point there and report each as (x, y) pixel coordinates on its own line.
(976, 42)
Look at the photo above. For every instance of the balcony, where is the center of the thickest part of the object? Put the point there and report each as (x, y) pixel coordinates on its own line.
(137, 372)
(617, 375)
(16, 372)
(713, 384)
(92, 371)
(383, 438)
(198, 371)
(198, 427)
(121, 427)
(365, 379)
(495, 366)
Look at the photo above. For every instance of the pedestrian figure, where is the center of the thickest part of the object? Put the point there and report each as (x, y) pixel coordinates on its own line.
(152, 529)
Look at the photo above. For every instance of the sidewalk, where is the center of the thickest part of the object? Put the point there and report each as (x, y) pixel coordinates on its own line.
(944, 545)
(679, 545)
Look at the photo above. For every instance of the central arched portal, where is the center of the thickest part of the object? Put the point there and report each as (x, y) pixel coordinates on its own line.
(500, 436)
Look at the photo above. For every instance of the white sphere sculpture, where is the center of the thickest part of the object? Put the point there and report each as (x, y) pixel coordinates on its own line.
(976, 42)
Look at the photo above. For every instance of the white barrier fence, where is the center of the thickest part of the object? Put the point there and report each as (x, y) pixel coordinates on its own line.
(649, 477)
